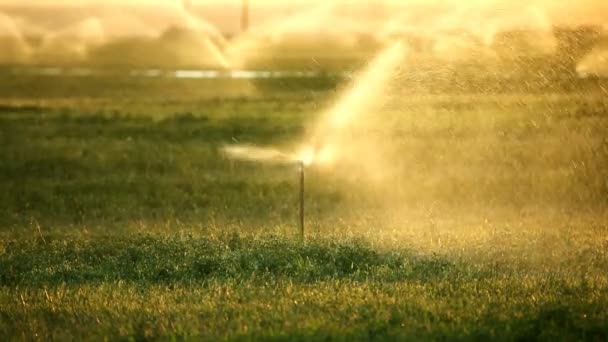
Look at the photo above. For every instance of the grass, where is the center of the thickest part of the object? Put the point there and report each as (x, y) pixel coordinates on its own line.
(216, 287)
(122, 221)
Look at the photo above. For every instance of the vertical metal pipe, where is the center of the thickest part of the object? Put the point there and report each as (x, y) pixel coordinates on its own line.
(302, 200)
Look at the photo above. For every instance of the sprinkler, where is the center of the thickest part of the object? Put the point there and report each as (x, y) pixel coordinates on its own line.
(274, 156)
(302, 165)
(370, 84)
(304, 158)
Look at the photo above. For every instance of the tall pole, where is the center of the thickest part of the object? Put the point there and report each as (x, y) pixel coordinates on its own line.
(302, 200)
(245, 16)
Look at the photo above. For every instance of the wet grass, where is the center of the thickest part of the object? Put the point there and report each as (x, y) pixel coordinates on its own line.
(216, 287)
(121, 220)
(216, 284)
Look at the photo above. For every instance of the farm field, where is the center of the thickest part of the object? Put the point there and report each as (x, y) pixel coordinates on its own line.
(122, 219)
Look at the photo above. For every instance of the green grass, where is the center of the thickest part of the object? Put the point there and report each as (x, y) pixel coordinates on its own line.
(206, 286)
(120, 219)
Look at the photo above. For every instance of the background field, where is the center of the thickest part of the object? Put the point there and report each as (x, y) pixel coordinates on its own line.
(122, 219)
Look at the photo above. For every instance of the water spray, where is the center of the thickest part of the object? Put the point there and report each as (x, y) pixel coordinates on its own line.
(324, 145)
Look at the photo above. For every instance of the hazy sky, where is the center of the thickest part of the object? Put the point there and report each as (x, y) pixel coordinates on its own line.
(225, 13)
(69, 30)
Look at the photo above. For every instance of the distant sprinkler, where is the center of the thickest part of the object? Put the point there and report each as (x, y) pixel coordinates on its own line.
(245, 15)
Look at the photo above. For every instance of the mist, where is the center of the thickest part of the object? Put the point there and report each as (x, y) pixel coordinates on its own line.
(303, 34)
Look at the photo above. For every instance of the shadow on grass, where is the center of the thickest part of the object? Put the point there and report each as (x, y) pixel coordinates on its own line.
(551, 322)
(147, 259)
(447, 300)
(21, 109)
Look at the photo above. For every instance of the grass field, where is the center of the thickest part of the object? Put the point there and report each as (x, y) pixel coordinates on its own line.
(121, 219)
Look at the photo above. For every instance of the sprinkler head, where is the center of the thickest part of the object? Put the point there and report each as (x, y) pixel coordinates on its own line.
(306, 156)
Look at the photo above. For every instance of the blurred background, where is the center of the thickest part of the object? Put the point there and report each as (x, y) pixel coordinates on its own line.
(561, 36)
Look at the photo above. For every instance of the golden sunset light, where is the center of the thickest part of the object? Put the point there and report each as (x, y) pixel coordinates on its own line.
(303, 170)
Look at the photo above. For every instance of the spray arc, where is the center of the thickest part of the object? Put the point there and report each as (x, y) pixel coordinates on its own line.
(324, 146)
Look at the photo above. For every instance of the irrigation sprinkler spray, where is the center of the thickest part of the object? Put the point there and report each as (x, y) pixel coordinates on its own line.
(370, 84)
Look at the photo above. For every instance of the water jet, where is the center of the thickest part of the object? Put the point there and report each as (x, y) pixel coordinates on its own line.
(325, 146)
